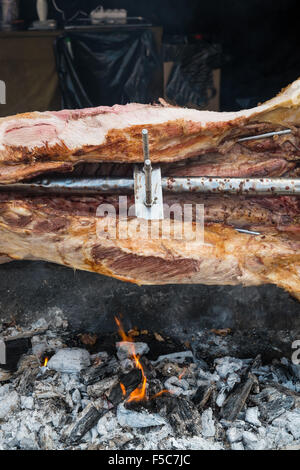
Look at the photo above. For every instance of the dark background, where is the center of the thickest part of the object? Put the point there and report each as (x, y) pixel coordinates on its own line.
(260, 38)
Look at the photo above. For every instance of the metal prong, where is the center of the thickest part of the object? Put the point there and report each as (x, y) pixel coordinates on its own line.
(264, 136)
(148, 182)
(145, 144)
(248, 232)
(147, 169)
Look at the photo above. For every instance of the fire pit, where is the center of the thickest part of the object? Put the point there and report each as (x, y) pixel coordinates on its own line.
(141, 389)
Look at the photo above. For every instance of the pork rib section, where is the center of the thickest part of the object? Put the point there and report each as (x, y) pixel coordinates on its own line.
(32, 229)
(30, 142)
(107, 141)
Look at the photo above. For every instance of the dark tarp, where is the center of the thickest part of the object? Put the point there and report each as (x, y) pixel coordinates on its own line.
(104, 68)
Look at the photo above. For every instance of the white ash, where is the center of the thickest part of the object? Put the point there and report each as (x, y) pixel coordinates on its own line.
(4, 389)
(178, 386)
(126, 349)
(179, 357)
(9, 403)
(208, 424)
(253, 441)
(221, 397)
(234, 434)
(227, 365)
(134, 419)
(27, 403)
(252, 415)
(70, 360)
(237, 446)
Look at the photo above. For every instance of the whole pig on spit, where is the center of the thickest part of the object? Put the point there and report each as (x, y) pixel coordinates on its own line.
(185, 142)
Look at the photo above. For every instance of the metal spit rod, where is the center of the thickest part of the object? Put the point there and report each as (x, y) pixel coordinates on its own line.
(249, 186)
(255, 186)
(266, 135)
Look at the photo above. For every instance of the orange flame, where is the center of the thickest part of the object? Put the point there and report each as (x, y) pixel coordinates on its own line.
(123, 389)
(121, 331)
(160, 393)
(139, 393)
(182, 373)
(45, 362)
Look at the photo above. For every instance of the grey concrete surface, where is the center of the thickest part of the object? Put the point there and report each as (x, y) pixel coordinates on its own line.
(30, 290)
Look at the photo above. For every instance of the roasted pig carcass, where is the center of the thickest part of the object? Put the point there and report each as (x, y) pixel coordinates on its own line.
(186, 142)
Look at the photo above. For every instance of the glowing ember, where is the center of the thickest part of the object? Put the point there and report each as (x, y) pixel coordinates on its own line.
(182, 373)
(160, 393)
(139, 394)
(123, 389)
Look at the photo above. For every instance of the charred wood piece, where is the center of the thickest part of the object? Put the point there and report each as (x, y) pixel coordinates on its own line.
(86, 420)
(235, 402)
(203, 394)
(129, 382)
(94, 374)
(11, 350)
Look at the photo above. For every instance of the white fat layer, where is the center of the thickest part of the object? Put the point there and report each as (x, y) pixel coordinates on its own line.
(51, 129)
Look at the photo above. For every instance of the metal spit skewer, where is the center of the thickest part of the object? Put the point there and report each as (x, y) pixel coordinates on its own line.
(204, 184)
(266, 135)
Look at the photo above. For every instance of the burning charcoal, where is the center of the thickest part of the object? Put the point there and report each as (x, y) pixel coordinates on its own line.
(208, 425)
(272, 403)
(126, 349)
(103, 386)
(237, 399)
(134, 419)
(127, 365)
(26, 377)
(9, 403)
(203, 394)
(101, 356)
(70, 360)
(181, 414)
(86, 420)
(47, 390)
(251, 416)
(168, 369)
(93, 374)
(129, 383)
